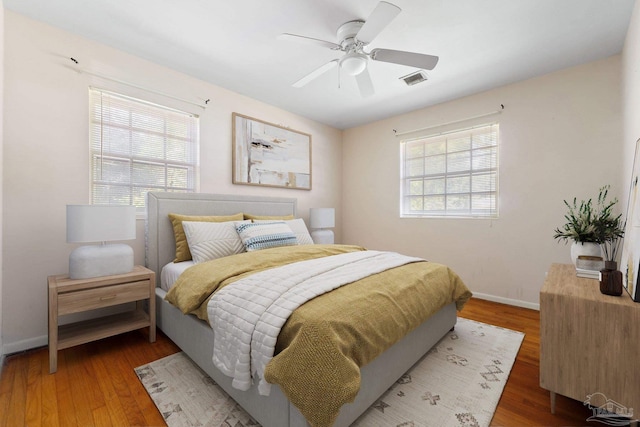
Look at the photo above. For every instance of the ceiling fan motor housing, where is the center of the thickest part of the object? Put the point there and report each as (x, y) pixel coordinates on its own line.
(347, 33)
(355, 61)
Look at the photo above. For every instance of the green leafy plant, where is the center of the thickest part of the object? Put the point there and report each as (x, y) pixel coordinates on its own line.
(596, 224)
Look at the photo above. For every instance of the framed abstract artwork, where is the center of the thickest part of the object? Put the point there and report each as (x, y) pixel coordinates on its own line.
(630, 261)
(270, 155)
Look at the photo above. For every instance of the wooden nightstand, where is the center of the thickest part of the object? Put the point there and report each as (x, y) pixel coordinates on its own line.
(68, 296)
(588, 341)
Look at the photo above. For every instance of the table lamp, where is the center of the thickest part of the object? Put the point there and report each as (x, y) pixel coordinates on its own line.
(321, 219)
(100, 223)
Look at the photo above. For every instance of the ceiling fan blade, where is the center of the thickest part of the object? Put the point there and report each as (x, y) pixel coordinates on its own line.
(418, 60)
(316, 73)
(308, 40)
(365, 84)
(381, 16)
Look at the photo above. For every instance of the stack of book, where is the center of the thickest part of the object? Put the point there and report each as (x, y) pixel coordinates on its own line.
(589, 266)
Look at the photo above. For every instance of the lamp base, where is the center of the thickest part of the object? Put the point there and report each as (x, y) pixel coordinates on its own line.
(322, 237)
(100, 260)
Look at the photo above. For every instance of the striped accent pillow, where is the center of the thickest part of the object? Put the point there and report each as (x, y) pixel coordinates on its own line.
(264, 235)
(299, 229)
(211, 240)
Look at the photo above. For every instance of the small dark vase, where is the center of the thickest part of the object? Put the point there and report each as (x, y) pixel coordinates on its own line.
(611, 279)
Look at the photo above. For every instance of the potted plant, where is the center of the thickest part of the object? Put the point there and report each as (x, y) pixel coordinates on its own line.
(594, 230)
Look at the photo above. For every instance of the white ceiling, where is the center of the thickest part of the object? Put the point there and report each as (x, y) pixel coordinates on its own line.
(482, 44)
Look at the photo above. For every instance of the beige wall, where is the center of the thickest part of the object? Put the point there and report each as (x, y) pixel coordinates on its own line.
(1, 162)
(46, 155)
(560, 137)
(631, 90)
(631, 127)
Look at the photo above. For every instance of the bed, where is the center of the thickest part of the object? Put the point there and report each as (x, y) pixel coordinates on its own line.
(195, 337)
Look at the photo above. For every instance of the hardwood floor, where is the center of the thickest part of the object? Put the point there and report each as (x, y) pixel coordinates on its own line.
(96, 386)
(523, 402)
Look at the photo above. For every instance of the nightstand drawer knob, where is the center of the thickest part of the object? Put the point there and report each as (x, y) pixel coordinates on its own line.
(108, 297)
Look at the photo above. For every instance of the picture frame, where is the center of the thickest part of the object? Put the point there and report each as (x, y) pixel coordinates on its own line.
(270, 155)
(630, 260)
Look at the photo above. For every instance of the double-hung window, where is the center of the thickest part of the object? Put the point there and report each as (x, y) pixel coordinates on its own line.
(453, 174)
(137, 147)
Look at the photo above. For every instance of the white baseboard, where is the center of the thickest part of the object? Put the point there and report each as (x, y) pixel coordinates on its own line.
(27, 344)
(508, 301)
(2, 357)
(43, 340)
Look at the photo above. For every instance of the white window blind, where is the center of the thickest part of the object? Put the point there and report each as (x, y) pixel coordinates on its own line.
(137, 147)
(451, 175)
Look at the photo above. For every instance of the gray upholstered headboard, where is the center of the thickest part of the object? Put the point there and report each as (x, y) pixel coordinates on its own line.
(160, 245)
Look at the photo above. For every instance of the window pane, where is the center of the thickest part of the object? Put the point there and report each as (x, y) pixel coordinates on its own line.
(105, 194)
(435, 147)
(116, 171)
(459, 171)
(434, 203)
(138, 147)
(434, 186)
(459, 144)
(484, 159)
(416, 203)
(459, 202)
(485, 139)
(483, 202)
(148, 174)
(483, 183)
(178, 178)
(415, 149)
(459, 184)
(457, 162)
(415, 167)
(147, 145)
(435, 165)
(416, 187)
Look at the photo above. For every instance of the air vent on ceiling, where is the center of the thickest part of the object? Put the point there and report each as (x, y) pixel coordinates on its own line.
(414, 78)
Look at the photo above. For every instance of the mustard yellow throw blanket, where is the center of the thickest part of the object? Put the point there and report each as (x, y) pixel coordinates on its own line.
(324, 343)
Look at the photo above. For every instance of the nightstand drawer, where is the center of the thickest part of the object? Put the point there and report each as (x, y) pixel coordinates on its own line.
(89, 299)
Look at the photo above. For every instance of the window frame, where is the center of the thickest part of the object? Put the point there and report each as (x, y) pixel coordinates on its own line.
(135, 155)
(491, 153)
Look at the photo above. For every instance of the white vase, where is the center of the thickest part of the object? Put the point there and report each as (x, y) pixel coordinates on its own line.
(586, 248)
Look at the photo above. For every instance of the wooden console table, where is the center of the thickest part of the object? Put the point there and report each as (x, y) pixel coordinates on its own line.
(589, 342)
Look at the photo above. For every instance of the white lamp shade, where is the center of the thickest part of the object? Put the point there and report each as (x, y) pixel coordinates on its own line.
(100, 223)
(322, 217)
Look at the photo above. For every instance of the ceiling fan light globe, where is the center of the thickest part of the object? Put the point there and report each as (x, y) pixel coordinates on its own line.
(353, 64)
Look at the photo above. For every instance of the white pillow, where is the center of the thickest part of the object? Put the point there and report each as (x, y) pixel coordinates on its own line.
(299, 228)
(264, 235)
(211, 240)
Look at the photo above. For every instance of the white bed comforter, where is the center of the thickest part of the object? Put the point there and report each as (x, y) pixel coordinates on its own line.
(247, 315)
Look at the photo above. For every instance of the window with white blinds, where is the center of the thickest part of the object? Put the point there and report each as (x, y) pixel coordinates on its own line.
(137, 147)
(451, 175)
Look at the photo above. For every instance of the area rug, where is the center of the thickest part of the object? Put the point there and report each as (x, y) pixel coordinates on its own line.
(457, 383)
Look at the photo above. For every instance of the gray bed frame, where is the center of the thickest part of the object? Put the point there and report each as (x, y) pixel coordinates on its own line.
(195, 337)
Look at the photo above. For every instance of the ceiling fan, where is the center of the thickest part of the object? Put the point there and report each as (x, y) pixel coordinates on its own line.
(353, 37)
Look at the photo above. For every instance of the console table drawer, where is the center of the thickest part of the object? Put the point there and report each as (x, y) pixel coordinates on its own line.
(89, 299)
